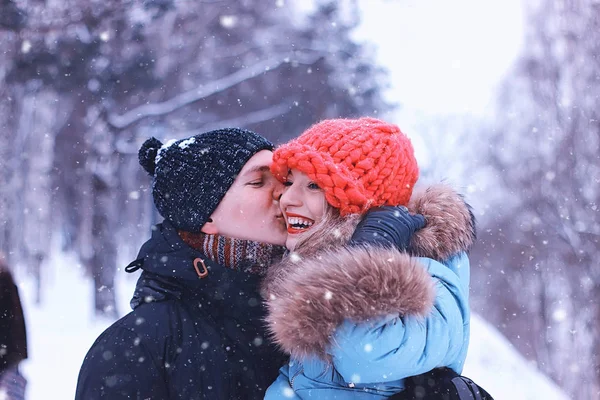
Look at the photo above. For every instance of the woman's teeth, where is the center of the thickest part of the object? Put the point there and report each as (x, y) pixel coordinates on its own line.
(299, 223)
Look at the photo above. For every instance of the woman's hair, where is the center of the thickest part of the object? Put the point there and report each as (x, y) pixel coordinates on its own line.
(331, 231)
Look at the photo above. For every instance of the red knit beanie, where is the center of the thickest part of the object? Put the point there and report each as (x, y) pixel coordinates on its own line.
(359, 163)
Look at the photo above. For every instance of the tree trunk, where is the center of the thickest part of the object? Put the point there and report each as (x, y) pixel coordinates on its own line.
(102, 167)
(105, 252)
(37, 224)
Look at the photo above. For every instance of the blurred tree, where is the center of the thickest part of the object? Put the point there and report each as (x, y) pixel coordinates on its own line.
(540, 251)
(102, 76)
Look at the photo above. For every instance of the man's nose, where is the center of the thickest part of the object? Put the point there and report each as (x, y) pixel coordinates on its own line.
(277, 192)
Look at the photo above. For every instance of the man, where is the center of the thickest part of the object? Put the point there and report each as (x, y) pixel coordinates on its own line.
(196, 330)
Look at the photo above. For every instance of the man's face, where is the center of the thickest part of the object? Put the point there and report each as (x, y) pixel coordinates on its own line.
(250, 209)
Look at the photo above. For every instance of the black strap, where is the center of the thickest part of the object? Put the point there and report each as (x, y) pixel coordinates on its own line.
(474, 388)
(439, 384)
(134, 265)
(464, 393)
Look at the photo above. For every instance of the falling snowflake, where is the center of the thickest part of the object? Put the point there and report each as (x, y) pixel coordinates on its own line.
(328, 295)
(559, 315)
(368, 348)
(294, 257)
(288, 392)
(93, 85)
(228, 21)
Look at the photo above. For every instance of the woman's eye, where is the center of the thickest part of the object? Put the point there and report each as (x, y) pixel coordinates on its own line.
(287, 183)
(256, 183)
(313, 186)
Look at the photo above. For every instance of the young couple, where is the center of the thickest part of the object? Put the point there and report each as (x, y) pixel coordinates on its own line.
(364, 294)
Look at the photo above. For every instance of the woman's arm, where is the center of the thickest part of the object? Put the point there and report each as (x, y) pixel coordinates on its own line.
(395, 347)
(358, 283)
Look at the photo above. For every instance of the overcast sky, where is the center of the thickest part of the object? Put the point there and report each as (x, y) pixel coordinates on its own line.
(444, 56)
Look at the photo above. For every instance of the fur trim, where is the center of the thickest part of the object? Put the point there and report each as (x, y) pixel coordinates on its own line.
(309, 300)
(450, 226)
(312, 291)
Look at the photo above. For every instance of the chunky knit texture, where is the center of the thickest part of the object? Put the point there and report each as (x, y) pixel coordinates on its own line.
(359, 163)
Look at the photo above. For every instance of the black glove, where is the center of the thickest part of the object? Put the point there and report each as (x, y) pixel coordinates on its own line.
(388, 225)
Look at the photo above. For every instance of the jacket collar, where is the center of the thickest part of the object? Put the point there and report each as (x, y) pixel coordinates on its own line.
(168, 272)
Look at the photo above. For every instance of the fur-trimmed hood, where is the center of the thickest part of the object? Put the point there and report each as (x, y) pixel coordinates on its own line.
(312, 291)
(450, 223)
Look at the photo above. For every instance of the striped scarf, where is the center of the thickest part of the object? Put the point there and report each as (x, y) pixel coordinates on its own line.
(237, 254)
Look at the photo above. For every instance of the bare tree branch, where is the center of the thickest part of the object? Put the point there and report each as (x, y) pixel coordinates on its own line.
(248, 119)
(189, 97)
(127, 147)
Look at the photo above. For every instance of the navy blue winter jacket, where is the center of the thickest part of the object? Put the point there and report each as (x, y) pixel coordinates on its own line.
(187, 338)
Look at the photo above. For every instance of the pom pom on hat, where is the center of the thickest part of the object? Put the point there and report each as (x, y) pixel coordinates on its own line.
(147, 154)
(359, 163)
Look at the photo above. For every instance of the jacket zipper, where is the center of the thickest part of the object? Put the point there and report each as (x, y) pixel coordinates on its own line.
(301, 370)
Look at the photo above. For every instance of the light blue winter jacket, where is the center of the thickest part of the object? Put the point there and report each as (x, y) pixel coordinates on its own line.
(370, 359)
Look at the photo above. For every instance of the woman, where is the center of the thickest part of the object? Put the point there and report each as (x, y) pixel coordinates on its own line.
(355, 311)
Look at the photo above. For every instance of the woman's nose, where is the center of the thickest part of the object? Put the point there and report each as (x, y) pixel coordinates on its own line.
(289, 197)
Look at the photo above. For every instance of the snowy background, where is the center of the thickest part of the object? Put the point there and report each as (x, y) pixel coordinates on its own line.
(500, 98)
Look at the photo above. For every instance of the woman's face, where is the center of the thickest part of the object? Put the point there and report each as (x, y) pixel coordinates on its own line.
(303, 204)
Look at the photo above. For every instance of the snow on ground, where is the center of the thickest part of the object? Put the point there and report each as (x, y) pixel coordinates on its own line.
(62, 329)
(494, 364)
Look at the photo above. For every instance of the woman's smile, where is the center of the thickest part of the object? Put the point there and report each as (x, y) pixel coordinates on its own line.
(297, 223)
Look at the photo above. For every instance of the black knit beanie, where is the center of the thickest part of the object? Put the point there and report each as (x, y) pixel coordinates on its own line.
(191, 176)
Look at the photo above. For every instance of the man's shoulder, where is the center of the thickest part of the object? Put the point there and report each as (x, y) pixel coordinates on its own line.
(149, 323)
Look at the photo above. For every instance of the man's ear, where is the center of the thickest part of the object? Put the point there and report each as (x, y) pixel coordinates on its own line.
(210, 228)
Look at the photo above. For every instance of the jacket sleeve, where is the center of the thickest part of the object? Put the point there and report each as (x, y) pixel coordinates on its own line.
(120, 366)
(358, 283)
(396, 347)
